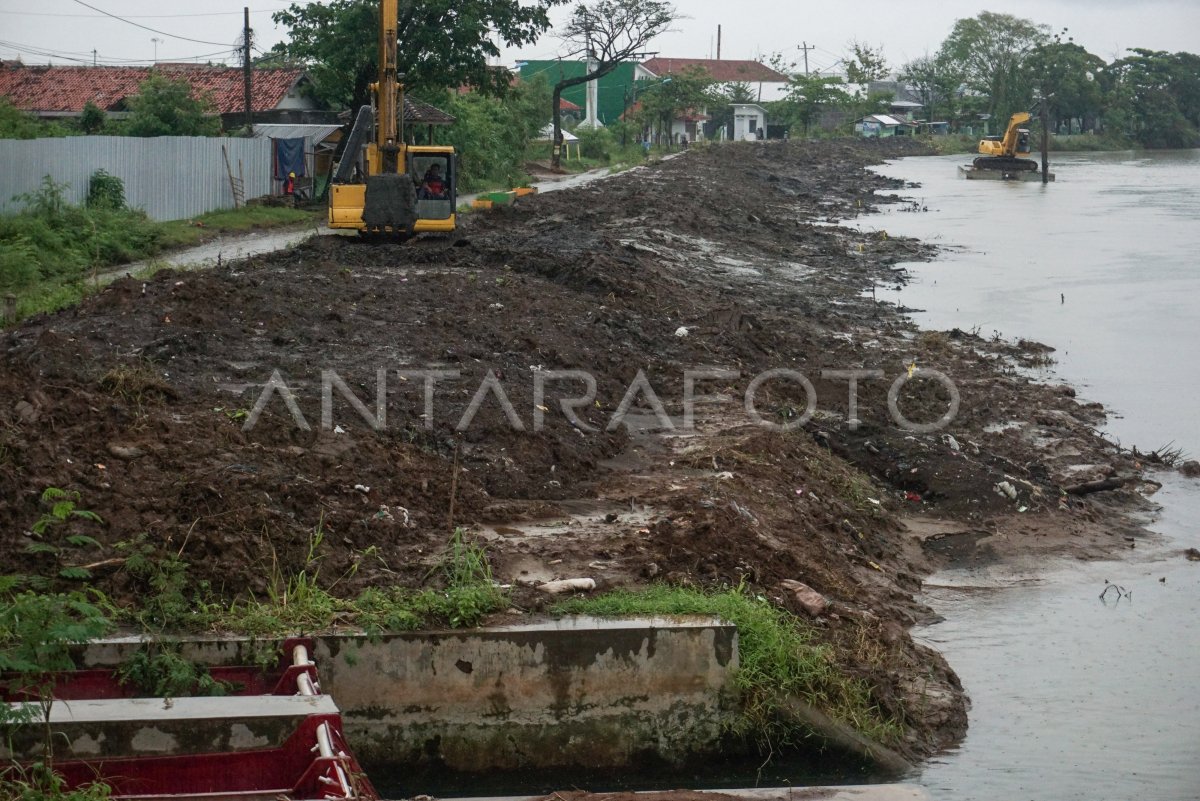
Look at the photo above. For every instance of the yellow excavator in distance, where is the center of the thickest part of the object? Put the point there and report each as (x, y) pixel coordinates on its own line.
(1004, 152)
(384, 187)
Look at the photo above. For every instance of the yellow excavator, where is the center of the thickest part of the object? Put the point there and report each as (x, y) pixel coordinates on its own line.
(1004, 152)
(384, 187)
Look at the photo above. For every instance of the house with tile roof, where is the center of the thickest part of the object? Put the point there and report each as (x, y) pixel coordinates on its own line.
(766, 83)
(49, 92)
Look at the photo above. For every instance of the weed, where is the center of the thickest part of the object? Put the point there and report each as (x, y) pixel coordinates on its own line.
(167, 605)
(40, 782)
(62, 511)
(778, 653)
(166, 674)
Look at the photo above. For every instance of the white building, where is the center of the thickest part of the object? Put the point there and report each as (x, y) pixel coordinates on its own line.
(749, 121)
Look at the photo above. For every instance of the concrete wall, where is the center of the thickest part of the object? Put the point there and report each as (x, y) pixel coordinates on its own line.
(154, 727)
(572, 692)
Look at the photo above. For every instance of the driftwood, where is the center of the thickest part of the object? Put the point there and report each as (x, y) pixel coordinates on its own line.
(1100, 485)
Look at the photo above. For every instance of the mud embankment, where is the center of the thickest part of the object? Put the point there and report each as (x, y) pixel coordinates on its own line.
(722, 260)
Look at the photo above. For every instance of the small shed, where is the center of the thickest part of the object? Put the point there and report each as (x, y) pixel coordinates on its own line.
(749, 121)
(568, 139)
(319, 143)
(881, 126)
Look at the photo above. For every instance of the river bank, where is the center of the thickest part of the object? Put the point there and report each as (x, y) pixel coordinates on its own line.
(724, 259)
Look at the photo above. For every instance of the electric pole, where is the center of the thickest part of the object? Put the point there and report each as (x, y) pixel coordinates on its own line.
(805, 46)
(93, 58)
(246, 69)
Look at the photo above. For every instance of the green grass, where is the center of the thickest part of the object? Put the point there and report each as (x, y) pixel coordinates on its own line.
(182, 233)
(779, 655)
(302, 602)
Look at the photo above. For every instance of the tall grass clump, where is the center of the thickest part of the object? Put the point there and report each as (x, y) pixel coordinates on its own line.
(779, 658)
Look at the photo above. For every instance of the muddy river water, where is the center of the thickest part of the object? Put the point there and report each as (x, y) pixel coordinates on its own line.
(1073, 697)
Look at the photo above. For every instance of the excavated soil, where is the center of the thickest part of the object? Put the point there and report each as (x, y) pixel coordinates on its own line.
(725, 258)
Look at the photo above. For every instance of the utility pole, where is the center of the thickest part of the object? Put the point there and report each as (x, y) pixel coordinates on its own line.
(805, 46)
(718, 43)
(1045, 115)
(93, 57)
(246, 69)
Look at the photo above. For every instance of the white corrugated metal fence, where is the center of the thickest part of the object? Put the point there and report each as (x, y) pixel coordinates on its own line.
(170, 177)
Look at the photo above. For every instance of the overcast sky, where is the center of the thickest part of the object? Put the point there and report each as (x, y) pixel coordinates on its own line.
(750, 28)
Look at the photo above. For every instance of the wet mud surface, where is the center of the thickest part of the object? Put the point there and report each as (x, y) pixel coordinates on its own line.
(722, 259)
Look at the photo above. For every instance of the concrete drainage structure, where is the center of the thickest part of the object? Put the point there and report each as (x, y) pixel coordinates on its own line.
(573, 692)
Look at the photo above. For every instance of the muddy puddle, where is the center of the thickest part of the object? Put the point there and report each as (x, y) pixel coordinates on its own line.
(1075, 696)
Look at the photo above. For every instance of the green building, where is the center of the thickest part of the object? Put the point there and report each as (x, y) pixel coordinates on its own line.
(611, 91)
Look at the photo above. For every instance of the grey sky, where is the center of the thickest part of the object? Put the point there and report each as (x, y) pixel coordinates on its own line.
(904, 28)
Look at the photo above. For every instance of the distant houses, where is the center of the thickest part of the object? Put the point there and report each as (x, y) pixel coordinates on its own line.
(617, 94)
(50, 92)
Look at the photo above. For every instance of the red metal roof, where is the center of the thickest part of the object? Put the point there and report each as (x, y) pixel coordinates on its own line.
(721, 70)
(67, 89)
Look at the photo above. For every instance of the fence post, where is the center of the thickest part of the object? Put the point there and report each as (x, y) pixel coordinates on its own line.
(10, 308)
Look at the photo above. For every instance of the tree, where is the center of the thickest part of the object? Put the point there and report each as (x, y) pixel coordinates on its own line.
(1156, 97)
(935, 82)
(163, 107)
(93, 118)
(491, 135)
(1065, 75)
(683, 91)
(865, 63)
(442, 44)
(607, 33)
(721, 100)
(989, 52)
(808, 95)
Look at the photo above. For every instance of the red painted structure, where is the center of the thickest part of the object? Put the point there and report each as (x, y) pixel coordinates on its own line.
(314, 763)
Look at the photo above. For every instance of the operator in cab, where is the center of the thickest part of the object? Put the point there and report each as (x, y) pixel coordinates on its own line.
(433, 185)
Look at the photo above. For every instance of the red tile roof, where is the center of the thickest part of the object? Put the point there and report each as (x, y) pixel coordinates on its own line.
(67, 89)
(721, 70)
(567, 105)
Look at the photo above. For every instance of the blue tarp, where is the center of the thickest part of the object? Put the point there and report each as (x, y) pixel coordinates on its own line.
(289, 157)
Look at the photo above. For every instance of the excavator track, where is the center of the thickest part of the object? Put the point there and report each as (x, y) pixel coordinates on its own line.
(1004, 164)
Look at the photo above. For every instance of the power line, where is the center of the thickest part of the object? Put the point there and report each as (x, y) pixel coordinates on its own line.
(87, 58)
(146, 27)
(142, 16)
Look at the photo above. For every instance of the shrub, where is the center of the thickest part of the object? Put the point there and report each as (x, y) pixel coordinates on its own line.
(594, 143)
(18, 263)
(105, 191)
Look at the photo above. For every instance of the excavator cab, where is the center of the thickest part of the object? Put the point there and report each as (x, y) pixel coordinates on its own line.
(433, 170)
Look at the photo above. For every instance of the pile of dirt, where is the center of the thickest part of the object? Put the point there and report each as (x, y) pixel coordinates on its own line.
(143, 400)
